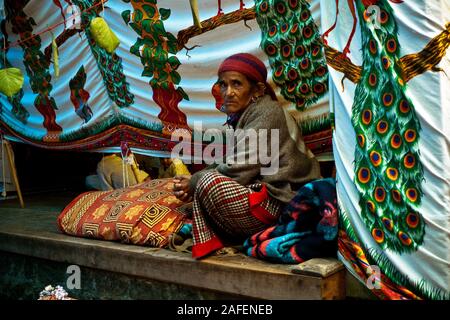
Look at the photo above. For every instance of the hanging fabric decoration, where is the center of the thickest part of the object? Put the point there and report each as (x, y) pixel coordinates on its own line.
(158, 48)
(393, 206)
(79, 96)
(11, 81)
(121, 101)
(36, 66)
(103, 35)
(55, 55)
(195, 14)
(291, 40)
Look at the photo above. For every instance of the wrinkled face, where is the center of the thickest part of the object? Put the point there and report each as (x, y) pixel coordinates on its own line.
(236, 91)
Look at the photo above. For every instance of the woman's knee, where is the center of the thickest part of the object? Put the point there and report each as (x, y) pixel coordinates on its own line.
(211, 181)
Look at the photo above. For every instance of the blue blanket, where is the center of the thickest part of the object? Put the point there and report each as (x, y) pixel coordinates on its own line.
(306, 229)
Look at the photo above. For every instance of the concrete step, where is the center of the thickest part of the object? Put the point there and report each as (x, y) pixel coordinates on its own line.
(33, 233)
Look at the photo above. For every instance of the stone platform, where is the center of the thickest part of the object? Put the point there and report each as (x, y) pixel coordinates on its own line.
(34, 254)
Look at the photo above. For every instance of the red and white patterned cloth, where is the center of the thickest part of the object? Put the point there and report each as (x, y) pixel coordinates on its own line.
(224, 210)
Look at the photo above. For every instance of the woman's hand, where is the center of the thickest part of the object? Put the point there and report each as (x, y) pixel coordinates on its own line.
(182, 189)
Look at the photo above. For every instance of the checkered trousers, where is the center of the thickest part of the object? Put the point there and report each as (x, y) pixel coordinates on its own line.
(224, 210)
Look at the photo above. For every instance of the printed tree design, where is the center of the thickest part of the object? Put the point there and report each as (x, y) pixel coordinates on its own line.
(110, 65)
(156, 48)
(79, 96)
(18, 110)
(36, 66)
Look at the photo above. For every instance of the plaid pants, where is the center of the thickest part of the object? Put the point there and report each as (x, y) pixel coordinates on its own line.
(225, 210)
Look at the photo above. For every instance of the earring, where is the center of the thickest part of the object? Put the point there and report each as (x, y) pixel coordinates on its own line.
(254, 99)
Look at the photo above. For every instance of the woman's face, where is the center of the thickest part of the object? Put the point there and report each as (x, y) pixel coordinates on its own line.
(236, 91)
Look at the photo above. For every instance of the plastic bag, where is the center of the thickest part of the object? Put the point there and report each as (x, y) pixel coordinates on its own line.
(103, 35)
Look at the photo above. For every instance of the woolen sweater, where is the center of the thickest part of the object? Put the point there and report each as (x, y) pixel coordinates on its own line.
(297, 165)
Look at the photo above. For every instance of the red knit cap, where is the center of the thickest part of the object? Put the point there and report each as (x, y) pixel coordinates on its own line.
(250, 66)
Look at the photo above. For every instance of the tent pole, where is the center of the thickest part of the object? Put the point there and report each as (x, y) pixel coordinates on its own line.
(12, 165)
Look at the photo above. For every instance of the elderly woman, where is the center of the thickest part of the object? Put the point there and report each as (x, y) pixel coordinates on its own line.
(232, 201)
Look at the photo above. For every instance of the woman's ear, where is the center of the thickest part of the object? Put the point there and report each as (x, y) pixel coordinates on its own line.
(260, 89)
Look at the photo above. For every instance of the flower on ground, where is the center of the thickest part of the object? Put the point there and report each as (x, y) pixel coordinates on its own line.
(51, 293)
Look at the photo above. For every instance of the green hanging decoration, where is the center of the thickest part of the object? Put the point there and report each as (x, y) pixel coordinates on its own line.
(195, 14)
(55, 55)
(11, 81)
(18, 110)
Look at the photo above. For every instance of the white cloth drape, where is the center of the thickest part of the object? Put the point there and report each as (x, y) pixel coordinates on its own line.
(418, 22)
(198, 72)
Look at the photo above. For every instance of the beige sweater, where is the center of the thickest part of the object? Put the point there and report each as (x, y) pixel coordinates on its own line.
(296, 166)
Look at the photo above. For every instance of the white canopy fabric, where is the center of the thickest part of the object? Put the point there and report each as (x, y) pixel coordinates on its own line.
(198, 72)
(425, 270)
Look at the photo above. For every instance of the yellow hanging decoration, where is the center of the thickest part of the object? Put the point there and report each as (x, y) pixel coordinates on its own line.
(195, 14)
(103, 35)
(11, 81)
(55, 56)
